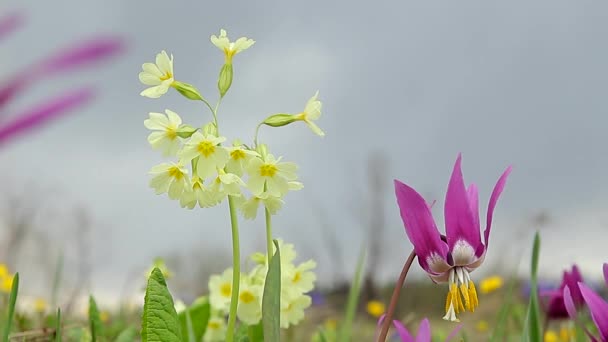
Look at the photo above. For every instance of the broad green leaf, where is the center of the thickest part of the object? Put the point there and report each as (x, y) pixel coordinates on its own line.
(160, 322)
(199, 311)
(11, 306)
(256, 332)
(94, 320)
(241, 334)
(58, 327)
(532, 327)
(188, 331)
(344, 334)
(127, 335)
(271, 300)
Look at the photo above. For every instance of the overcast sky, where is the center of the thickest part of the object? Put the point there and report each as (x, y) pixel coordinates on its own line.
(514, 83)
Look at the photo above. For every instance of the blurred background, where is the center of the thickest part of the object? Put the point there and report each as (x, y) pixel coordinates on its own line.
(405, 87)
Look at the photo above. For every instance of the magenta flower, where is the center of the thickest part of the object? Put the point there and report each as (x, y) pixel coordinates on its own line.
(556, 309)
(424, 331)
(451, 259)
(597, 306)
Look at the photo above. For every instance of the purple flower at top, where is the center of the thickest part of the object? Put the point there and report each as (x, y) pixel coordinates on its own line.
(555, 308)
(597, 306)
(453, 258)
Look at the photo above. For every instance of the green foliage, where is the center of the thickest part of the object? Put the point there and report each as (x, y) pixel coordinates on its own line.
(532, 327)
(160, 322)
(500, 329)
(127, 335)
(225, 80)
(199, 313)
(11, 307)
(57, 280)
(187, 90)
(256, 332)
(94, 320)
(58, 327)
(344, 334)
(271, 300)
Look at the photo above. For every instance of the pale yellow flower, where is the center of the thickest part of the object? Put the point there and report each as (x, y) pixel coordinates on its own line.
(220, 290)
(216, 330)
(312, 112)
(40, 305)
(170, 178)
(490, 284)
(250, 207)
(211, 156)
(231, 48)
(159, 76)
(165, 128)
(375, 308)
(270, 175)
(292, 312)
(250, 302)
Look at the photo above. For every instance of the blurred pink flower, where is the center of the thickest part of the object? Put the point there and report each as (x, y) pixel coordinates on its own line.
(555, 308)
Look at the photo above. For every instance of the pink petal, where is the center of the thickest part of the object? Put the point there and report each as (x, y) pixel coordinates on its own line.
(42, 114)
(453, 333)
(404, 335)
(500, 185)
(473, 196)
(90, 51)
(459, 222)
(424, 331)
(419, 225)
(606, 273)
(9, 23)
(598, 308)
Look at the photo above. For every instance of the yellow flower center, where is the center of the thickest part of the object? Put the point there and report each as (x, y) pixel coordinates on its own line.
(166, 76)
(171, 133)
(175, 172)
(297, 277)
(213, 325)
(463, 300)
(206, 148)
(226, 289)
(247, 297)
(268, 170)
(229, 54)
(237, 154)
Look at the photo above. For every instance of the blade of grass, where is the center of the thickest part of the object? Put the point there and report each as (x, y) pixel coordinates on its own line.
(57, 280)
(344, 334)
(532, 327)
(58, 327)
(11, 306)
(271, 300)
(498, 334)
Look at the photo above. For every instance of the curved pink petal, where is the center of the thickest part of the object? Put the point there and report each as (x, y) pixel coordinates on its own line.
(453, 333)
(42, 114)
(598, 308)
(419, 225)
(498, 188)
(571, 309)
(606, 273)
(9, 23)
(473, 195)
(424, 331)
(82, 53)
(459, 222)
(404, 335)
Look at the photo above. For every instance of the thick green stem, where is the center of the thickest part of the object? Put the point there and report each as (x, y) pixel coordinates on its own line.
(268, 234)
(236, 270)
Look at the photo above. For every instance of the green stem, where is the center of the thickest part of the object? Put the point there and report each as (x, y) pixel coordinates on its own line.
(268, 234)
(236, 270)
(255, 138)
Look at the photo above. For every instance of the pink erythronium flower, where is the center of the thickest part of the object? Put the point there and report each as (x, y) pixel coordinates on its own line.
(424, 331)
(9, 23)
(556, 308)
(450, 260)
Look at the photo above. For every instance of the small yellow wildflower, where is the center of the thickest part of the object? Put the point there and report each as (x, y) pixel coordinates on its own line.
(375, 308)
(491, 284)
(6, 283)
(3, 270)
(104, 316)
(482, 326)
(551, 336)
(312, 112)
(40, 305)
(231, 48)
(331, 324)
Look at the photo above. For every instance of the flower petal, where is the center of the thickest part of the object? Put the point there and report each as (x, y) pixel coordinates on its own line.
(500, 185)
(598, 308)
(424, 331)
(459, 222)
(473, 196)
(404, 335)
(419, 225)
(606, 273)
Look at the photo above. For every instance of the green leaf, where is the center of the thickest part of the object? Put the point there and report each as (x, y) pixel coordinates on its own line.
(188, 90)
(256, 332)
(160, 322)
(241, 334)
(94, 320)
(271, 300)
(225, 80)
(199, 312)
(58, 327)
(532, 327)
(353, 299)
(127, 335)
(11, 306)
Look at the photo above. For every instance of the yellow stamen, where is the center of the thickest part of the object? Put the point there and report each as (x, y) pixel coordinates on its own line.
(176, 173)
(247, 297)
(171, 133)
(456, 299)
(206, 148)
(237, 154)
(448, 301)
(226, 290)
(268, 170)
(166, 76)
(473, 295)
(465, 294)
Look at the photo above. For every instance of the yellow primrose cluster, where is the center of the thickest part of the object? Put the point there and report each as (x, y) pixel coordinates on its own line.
(205, 171)
(296, 281)
(6, 279)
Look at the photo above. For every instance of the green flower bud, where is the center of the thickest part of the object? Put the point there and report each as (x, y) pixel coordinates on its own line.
(210, 129)
(185, 131)
(262, 150)
(225, 80)
(279, 120)
(188, 90)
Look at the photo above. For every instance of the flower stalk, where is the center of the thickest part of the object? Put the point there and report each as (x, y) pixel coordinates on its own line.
(236, 267)
(395, 297)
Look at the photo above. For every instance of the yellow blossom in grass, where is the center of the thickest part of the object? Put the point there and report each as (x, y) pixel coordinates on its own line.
(270, 175)
(40, 305)
(3, 270)
(216, 330)
(301, 279)
(165, 128)
(231, 48)
(220, 290)
(250, 302)
(206, 148)
(6, 283)
(312, 112)
(482, 326)
(104, 316)
(171, 178)
(551, 336)
(159, 76)
(490, 284)
(375, 308)
(292, 312)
